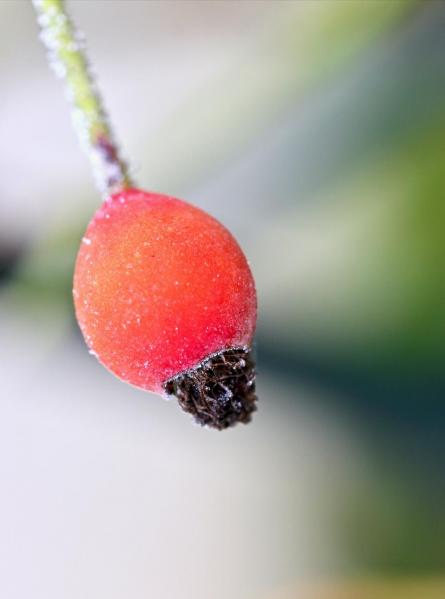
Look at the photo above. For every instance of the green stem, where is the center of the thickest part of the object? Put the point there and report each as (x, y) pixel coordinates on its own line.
(66, 56)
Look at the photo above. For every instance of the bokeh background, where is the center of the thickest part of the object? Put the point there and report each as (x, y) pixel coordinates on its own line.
(315, 130)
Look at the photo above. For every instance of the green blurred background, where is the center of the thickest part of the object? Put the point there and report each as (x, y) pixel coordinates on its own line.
(314, 130)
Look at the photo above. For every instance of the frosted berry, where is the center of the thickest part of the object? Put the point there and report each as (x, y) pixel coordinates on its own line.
(166, 301)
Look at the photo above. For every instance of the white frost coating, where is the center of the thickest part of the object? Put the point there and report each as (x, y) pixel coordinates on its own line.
(66, 57)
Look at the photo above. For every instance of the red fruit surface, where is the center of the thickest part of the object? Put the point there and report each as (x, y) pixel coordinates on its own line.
(159, 285)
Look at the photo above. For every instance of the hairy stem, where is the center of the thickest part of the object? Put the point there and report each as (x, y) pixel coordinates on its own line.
(67, 57)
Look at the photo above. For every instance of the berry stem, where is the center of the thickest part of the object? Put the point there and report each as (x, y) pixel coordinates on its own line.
(66, 55)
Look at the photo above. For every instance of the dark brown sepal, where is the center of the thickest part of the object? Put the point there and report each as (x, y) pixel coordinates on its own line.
(220, 391)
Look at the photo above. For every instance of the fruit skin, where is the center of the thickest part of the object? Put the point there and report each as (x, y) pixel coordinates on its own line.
(159, 285)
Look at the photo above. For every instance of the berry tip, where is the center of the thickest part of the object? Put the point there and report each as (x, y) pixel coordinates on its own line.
(220, 391)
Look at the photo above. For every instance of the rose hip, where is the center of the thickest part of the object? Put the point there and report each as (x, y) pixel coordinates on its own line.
(166, 301)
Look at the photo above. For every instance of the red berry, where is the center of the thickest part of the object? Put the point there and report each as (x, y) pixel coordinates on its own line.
(160, 287)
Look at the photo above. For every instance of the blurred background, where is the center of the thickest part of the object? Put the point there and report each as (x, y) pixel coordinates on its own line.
(315, 131)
